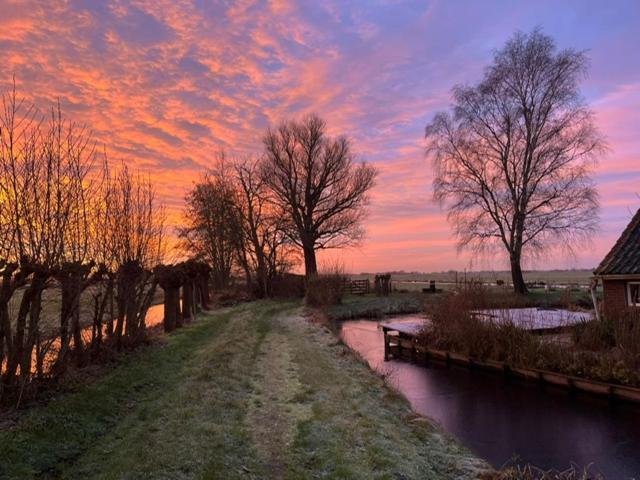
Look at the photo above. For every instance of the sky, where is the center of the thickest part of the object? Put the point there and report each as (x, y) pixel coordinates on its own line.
(166, 84)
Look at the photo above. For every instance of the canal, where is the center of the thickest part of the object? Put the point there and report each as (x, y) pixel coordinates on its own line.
(500, 420)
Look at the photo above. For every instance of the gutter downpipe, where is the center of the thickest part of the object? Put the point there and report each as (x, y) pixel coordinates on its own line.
(593, 287)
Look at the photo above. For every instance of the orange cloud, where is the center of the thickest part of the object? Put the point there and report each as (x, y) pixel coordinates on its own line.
(166, 84)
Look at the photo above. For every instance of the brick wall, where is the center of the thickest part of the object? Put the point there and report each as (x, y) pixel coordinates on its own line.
(615, 295)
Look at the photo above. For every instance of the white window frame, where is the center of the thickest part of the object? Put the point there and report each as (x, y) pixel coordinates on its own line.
(629, 302)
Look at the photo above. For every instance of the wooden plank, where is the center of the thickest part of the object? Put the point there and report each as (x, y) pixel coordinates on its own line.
(408, 329)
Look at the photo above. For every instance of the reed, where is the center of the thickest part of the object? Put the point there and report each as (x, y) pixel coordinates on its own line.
(607, 350)
(530, 472)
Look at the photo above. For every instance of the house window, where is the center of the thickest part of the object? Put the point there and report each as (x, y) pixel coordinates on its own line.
(633, 293)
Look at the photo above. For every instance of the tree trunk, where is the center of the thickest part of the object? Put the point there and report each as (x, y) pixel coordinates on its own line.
(197, 295)
(19, 339)
(121, 305)
(262, 278)
(5, 334)
(519, 286)
(34, 319)
(76, 328)
(179, 321)
(145, 305)
(26, 334)
(310, 265)
(112, 314)
(187, 300)
(171, 308)
(204, 291)
(131, 322)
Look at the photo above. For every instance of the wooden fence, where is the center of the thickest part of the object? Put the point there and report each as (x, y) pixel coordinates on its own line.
(357, 287)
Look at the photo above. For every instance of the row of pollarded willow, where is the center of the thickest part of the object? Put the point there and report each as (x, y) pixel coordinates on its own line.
(72, 226)
(306, 192)
(191, 278)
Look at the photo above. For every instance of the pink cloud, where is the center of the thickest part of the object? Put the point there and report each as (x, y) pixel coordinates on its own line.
(166, 84)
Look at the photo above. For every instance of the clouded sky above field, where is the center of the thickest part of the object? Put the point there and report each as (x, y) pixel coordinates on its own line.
(167, 83)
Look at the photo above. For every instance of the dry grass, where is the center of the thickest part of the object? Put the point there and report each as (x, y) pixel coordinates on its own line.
(607, 351)
(326, 288)
(529, 472)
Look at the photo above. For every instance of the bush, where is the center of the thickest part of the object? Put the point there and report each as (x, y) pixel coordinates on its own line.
(594, 335)
(324, 290)
(327, 287)
(288, 285)
(626, 330)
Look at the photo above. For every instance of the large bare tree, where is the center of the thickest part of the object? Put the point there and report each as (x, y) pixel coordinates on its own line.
(317, 184)
(513, 160)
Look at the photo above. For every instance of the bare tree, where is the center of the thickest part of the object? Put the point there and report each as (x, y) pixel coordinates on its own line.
(513, 160)
(44, 198)
(317, 185)
(65, 227)
(213, 229)
(267, 249)
(136, 224)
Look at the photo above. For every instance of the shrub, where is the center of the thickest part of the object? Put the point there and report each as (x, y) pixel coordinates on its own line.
(594, 335)
(325, 289)
(454, 327)
(288, 285)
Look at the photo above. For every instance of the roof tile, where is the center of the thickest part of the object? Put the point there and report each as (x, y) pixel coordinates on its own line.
(624, 257)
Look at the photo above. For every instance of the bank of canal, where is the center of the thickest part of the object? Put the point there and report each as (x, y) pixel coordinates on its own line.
(498, 419)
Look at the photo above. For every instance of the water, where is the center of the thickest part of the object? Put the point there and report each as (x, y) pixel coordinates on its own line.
(154, 317)
(497, 419)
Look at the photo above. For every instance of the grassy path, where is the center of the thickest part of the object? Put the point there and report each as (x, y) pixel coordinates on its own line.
(251, 392)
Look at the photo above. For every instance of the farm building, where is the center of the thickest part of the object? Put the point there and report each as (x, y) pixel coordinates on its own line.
(620, 270)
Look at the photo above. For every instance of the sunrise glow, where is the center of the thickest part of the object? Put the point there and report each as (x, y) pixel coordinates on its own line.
(165, 85)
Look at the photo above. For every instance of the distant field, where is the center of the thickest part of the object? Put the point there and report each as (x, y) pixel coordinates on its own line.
(552, 277)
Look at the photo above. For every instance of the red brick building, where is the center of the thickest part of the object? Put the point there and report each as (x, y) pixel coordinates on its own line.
(620, 270)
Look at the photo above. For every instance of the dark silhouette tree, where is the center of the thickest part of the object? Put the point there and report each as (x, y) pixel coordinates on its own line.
(267, 251)
(513, 160)
(318, 186)
(213, 227)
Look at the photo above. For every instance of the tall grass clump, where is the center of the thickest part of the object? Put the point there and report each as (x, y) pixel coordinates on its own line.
(530, 472)
(610, 347)
(606, 350)
(454, 327)
(326, 288)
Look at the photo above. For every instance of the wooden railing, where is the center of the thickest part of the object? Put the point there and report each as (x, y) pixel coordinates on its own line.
(357, 287)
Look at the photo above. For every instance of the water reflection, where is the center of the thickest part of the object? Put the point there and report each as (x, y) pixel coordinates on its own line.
(48, 349)
(498, 419)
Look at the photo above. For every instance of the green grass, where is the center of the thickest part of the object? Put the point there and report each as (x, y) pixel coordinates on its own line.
(250, 392)
(369, 306)
(556, 277)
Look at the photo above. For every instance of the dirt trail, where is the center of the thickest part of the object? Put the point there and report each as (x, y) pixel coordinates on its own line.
(273, 412)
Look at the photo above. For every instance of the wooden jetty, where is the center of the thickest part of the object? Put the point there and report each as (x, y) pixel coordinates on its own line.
(401, 343)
